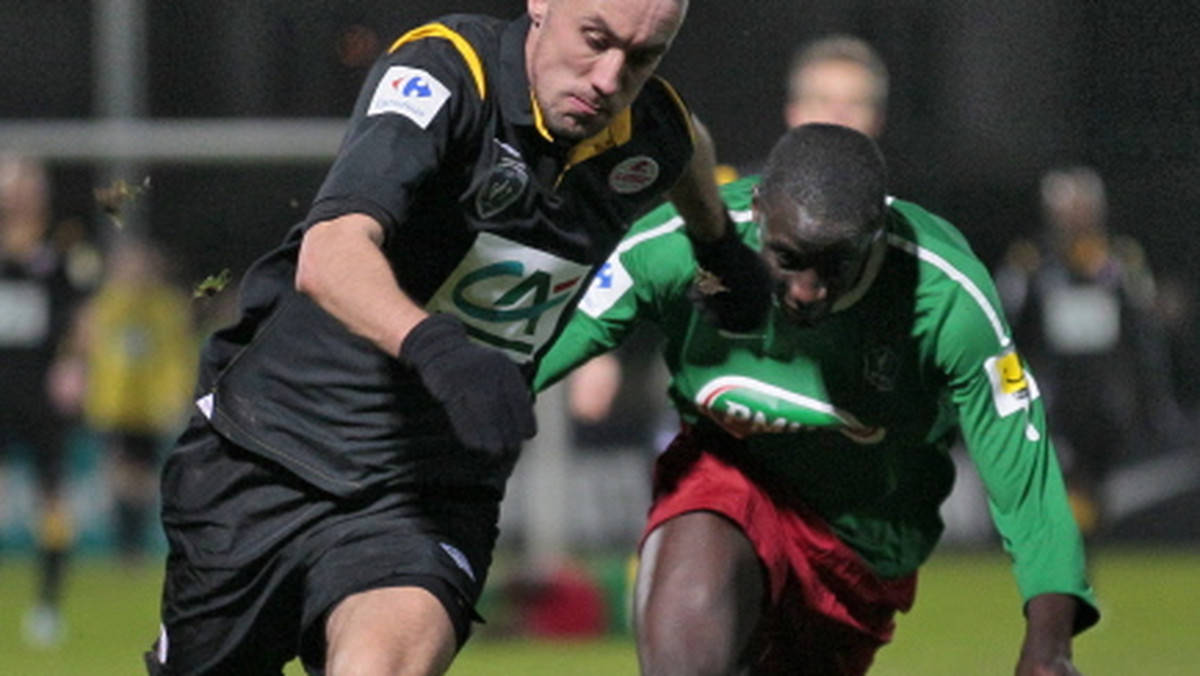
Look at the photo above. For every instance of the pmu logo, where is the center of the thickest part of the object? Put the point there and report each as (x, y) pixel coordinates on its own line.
(510, 295)
(745, 406)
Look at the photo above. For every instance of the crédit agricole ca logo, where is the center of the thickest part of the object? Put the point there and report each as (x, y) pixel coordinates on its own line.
(745, 406)
(509, 295)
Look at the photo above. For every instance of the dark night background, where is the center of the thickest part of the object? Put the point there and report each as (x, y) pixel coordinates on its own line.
(984, 97)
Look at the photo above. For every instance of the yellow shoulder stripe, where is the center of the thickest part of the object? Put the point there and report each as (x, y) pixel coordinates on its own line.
(683, 109)
(438, 30)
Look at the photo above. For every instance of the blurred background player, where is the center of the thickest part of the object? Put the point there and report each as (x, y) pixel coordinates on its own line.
(1176, 300)
(839, 79)
(138, 344)
(1082, 301)
(37, 300)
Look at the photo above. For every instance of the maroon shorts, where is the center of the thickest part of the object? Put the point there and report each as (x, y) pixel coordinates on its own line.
(826, 608)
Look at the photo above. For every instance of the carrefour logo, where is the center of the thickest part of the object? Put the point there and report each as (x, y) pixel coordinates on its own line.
(745, 406)
(509, 295)
(413, 86)
(410, 92)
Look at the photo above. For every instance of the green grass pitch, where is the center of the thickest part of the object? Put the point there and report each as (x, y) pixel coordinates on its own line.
(966, 621)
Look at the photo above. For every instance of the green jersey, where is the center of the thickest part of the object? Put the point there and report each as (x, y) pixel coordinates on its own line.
(857, 414)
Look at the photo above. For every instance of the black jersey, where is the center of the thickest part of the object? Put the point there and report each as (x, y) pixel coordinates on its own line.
(485, 215)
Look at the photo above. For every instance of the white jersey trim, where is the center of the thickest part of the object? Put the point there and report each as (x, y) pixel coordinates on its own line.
(671, 225)
(961, 279)
(613, 281)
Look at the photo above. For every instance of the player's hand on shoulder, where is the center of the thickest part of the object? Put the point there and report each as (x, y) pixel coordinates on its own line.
(486, 396)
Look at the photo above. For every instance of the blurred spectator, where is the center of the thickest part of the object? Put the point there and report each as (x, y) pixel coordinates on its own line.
(611, 411)
(1082, 304)
(1176, 304)
(137, 340)
(37, 299)
(839, 79)
(564, 602)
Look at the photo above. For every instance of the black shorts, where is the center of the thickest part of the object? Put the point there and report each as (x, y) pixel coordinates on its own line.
(259, 558)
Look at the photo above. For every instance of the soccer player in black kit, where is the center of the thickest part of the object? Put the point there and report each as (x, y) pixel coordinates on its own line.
(336, 496)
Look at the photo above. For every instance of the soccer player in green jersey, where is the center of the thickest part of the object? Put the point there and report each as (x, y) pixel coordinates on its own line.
(792, 512)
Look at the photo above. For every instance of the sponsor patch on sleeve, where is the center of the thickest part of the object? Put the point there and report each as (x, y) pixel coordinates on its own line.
(610, 283)
(410, 92)
(1012, 386)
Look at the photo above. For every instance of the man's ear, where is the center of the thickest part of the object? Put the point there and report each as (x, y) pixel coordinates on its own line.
(537, 10)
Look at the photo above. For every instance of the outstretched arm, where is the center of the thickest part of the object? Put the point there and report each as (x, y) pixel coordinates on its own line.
(696, 196)
(734, 288)
(1003, 422)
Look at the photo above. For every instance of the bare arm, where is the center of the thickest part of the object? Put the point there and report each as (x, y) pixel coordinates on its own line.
(1049, 625)
(484, 393)
(695, 195)
(66, 379)
(342, 268)
(593, 387)
(733, 285)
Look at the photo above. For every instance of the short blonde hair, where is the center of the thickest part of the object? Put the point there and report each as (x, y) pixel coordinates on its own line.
(840, 47)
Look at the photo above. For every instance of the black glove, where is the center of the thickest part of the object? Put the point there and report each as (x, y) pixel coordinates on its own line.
(732, 287)
(485, 395)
